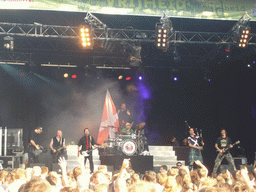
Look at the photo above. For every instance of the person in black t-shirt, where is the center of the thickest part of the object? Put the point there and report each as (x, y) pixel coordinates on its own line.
(223, 144)
(58, 146)
(33, 145)
(123, 116)
(85, 147)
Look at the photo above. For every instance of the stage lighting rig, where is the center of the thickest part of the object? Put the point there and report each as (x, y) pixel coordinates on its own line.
(241, 31)
(163, 31)
(9, 43)
(244, 34)
(85, 33)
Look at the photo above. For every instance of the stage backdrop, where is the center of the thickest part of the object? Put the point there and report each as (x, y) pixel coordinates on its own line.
(209, 9)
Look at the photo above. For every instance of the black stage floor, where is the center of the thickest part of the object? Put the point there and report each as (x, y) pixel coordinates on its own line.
(139, 163)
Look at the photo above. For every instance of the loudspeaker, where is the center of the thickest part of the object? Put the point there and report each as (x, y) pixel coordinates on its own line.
(223, 168)
(240, 161)
(56, 167)
(36, 164)
(7, 162)
(111, 168)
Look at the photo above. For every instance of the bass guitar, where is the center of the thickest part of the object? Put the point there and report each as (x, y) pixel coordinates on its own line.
(38, 152)
(58, 150)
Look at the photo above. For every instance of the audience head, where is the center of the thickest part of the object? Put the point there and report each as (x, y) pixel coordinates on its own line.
(163, 169)
(38, 185)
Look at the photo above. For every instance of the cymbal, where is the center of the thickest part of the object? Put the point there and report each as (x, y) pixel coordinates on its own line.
(140, 126)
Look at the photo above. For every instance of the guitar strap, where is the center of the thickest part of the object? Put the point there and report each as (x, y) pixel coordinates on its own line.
(195, 141)
(90, 144)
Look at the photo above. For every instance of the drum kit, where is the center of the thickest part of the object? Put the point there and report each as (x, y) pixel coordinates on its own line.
(128, 144)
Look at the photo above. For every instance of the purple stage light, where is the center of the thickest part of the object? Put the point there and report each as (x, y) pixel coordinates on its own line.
(175, 79)
(140, 77)
(209, 80)
(253, 62)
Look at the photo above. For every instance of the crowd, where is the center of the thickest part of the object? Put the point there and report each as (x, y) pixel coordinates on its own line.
(178, 179)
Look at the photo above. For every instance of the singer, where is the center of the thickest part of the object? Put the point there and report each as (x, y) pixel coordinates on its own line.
(58, 147)
(195, 148)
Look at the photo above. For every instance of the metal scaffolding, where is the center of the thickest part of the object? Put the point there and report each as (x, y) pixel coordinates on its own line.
(32, 38)
(133, 35)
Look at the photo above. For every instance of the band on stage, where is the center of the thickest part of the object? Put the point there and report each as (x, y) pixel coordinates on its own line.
(129, 141)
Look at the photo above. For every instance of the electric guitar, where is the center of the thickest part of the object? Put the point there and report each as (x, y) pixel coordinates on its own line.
(58, 150)
(86, 152)
(227, 148)
(38, 152)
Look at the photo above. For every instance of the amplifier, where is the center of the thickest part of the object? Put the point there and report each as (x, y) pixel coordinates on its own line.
(10, 162)
(240, 161)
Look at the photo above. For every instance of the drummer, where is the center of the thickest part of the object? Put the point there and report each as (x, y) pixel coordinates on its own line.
(127, 130)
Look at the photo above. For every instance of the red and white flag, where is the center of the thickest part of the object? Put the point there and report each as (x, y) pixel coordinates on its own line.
(109, 121)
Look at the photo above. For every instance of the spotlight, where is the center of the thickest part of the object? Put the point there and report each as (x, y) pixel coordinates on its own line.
(249, 65)
(65, 75)
(162, 35)
(140, 78)
(163, 30)
(74, 76)
(128, 78)
(244, 34)
(174, 74)
(9, 43)
(86, 37)
(120, 77)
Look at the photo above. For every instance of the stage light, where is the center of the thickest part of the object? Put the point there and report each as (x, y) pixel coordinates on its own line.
(244, 34)
(9, 43)
(249, 65)
(86, 37)
(161, 40)
(163, 30)
(140, 78)
(74, 76)
(253, 62)
(174, 74)
(128, 78)
(65, 75)
(120, 77)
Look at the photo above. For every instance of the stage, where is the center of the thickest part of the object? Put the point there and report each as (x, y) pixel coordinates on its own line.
(139, 163)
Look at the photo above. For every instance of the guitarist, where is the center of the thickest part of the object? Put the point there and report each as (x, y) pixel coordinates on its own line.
(33, 145)
(85, 144)
(223, 144)
(57, 146)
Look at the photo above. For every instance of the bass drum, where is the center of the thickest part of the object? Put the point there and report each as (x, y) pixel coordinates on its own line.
(129, 147)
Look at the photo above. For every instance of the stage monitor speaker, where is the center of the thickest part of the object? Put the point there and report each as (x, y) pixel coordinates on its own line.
(37, 164)
(111, 168)
(240, 162)
(7, 162)
(223, 168)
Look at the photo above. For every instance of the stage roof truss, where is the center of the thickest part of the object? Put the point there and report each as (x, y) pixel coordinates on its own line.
(35, 37)
(133, 35)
